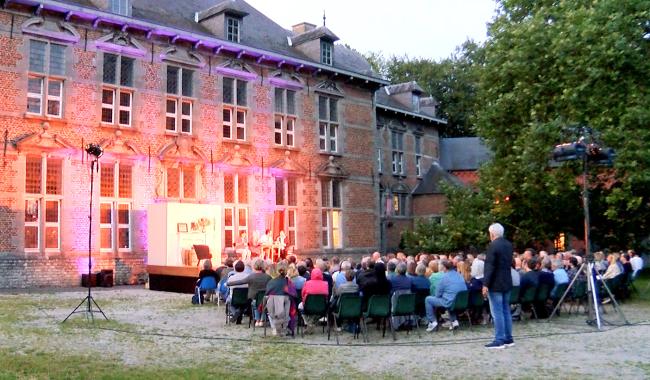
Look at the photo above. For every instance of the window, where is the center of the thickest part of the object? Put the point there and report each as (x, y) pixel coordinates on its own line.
(232, 29)
(328, 124)
(115, 207)
(235, 211)
(418, 156)
(234, 112)
(286, 210)
(43, 188)
(181, 182)
(117, 93)
(331, 214)
(399, 204)
(45, 78)
(326, 52)
(178, 109)
(397, 143)
(285, 117)
(121, 7)
(415, 99)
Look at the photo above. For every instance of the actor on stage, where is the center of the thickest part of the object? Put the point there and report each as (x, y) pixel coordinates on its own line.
(241, 246)
(266, 242)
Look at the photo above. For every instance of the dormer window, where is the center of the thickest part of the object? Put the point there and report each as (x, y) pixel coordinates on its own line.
(121, 7)
(416, 102)
(326, 50)
(233, 27)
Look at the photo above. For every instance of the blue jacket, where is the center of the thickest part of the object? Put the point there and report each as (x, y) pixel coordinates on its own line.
(451, 284)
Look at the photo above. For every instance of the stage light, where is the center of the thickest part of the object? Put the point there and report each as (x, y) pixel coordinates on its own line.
(94, 150)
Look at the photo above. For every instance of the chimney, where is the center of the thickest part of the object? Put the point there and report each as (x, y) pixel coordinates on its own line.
(303, 27)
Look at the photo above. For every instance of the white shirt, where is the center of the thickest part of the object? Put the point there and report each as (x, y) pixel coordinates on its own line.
(637, 263)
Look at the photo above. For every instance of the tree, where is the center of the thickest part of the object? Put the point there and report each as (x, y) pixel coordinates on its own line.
(549, 64)
(451, 81)
(464, 224)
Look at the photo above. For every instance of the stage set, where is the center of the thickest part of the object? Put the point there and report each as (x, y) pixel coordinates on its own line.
(181, 236)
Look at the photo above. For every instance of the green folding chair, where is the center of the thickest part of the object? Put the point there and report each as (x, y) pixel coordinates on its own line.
(239, 300)
(460, 306)
(348, 308)
(259, 300)
(528, 297)
(314, 305)
(404, 307)
(378, 308)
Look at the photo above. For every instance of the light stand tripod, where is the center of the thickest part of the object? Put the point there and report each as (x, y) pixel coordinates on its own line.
(587, 266)
(95, 151)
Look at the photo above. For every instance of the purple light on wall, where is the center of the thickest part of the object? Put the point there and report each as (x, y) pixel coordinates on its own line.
(82, 264)
(236, 73)
(106, 46)
(289, 84)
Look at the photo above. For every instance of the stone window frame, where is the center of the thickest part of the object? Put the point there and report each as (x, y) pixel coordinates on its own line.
(42, 200)
(234, 108)
(237, 207)
(181, 97)
(115, 201)
(120, 87)
(184, 171)
(397, 152)
(290, 208)
(328, 125)
(285, 119)
(417, 145)
(46, 78)
(331, 213)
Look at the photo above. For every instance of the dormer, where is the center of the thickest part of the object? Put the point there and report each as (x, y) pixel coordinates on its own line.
(316, 43)
(224, 20)
(428, 106)
(407, 94)
(119, 7)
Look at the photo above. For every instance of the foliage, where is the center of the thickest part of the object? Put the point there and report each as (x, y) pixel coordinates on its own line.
(549, 64)
(451, 81)
(464, 225)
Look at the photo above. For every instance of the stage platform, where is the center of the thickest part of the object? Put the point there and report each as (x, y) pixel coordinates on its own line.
(172, 279)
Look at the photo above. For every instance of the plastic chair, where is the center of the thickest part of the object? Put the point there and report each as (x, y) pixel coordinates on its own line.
(348, 308)
(528, 297)
(579, 295)
(557, 294)
(514, 295)
(315, 305)
(378, 307)
(404, 307)
(460, 305)
(420, 296)
(208, 285)
(239, 300)
(259, 301)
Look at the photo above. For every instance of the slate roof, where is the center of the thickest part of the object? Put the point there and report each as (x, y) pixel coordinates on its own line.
(399, 88)
(316, 33)
(463, 153)
(384, 100)
(258, 31)
(432, 180)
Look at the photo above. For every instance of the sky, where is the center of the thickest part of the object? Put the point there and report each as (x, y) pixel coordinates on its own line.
(417, 28)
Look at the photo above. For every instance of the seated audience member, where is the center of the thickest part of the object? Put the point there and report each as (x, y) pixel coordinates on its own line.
(478, 267)
(420, 282)
(339, 276)
(560, 276)
(280, 303)
(636, 261)
(296, 277)
(377, 284)
(600, 263)
(514, 273)
(376, 257)
(450, 285)
(545, 274)
(237, 276)
(390, 268)
(400, 282)
(410, 268)
(323, 265)
(315, 286)
(224, 272)
(335, 265)
(366, 275)
(464, 271)
(613, 270)
(256, 282)
(435, 277)
(627, 266)
(207, 271)
(530, 277)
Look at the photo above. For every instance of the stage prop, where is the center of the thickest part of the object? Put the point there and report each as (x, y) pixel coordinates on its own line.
(181, 237)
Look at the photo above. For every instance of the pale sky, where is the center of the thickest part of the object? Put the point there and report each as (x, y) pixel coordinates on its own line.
(417, 28)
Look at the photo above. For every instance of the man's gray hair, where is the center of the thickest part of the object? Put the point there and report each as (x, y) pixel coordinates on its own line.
(496, 230)
(345, 266)
(420, 269)
(401, 268)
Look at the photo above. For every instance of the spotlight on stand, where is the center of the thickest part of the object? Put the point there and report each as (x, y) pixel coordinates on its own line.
(94, 150)
(588, 150)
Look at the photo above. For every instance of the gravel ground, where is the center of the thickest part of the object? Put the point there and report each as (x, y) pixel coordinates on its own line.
(163, 330)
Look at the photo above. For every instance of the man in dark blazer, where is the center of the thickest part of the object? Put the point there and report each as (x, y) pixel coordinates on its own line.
(497, 283)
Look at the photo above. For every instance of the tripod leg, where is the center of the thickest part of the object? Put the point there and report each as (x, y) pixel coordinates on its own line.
(75, 310)
(617, 307)
(99, 308)
(566, 292)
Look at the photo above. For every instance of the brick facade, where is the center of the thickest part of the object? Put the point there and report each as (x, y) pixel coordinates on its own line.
(148, 148)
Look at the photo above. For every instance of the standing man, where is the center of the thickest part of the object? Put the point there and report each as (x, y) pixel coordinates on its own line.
(497, 283)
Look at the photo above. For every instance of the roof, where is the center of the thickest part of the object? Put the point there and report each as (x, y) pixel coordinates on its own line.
(432, 180)
(463, 153)
(385, 100)
(316, 33)
(230, 7)
(399, 88)
(258, 31)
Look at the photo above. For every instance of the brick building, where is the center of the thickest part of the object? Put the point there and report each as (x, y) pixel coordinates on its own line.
(204, 102)
(408, 155)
